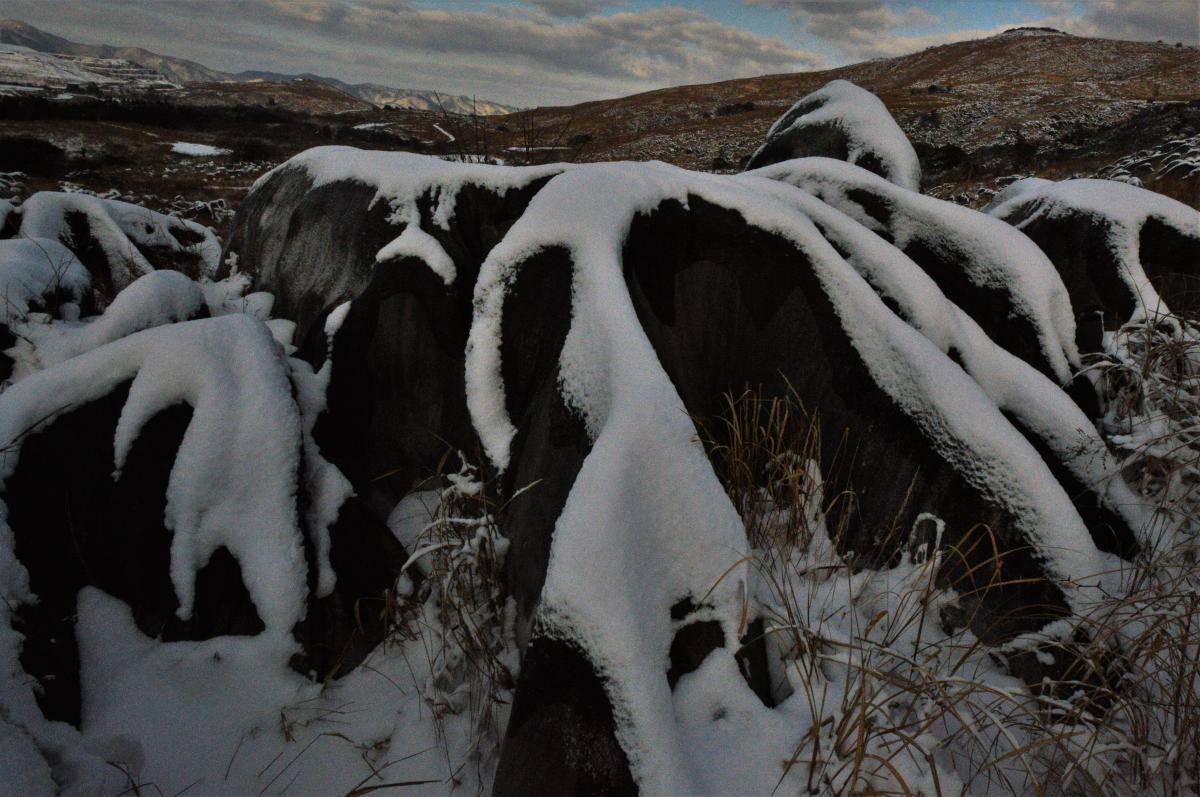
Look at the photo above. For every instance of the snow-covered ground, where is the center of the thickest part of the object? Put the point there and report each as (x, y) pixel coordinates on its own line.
(197, 150)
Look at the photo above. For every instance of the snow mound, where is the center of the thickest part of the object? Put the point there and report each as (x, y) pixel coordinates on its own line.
(35, 271)
(158, 298)
(846, 122)
(117, 241)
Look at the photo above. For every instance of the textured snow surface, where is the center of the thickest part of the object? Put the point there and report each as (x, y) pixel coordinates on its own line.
(865, 119)
(992, 253)
(160, 297)
(118, 227)
(669, 531)
(1124, 208)
(33, 268)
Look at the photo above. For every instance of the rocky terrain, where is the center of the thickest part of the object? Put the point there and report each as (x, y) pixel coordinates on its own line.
(431, 476)
(1028, 101)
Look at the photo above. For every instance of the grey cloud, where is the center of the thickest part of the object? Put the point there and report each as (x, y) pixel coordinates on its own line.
(509, 55)
(1169, 20)
(574, 8)
(858, 28)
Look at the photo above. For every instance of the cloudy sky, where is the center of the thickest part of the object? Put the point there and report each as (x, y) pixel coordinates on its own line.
(543, 52)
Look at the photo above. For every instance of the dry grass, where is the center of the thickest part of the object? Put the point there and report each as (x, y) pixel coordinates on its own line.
(903, 696)
(456, 606)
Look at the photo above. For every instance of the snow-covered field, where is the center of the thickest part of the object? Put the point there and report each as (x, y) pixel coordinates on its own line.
(610, 591)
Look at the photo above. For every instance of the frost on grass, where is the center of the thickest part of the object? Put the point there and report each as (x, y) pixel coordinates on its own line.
(843, 121)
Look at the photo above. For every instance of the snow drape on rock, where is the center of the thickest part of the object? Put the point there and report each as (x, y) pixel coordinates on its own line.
(233, 481)
(402, 178)
(646, 523)
(158, 298)
(118, 229)
(843, 118)
(993, 255)
(1121, 209)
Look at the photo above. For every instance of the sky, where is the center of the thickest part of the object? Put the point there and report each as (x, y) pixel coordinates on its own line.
(554, 52)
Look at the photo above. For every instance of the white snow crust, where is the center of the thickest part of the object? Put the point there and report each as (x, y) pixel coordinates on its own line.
(197, 150)
(868, 125)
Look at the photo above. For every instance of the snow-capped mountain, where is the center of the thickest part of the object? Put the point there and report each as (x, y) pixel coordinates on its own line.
(183, 71)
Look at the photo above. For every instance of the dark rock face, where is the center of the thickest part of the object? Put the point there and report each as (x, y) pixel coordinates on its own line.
(561, 734)
(74, 526)
(312, 259)
(685, 267)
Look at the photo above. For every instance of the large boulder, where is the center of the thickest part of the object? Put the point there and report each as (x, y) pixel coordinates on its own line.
(845, 122)
(1123, 252)
(312, 230)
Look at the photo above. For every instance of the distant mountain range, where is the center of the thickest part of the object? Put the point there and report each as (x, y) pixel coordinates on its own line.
(183, 71)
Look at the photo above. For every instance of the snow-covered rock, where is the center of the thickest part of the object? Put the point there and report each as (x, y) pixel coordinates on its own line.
(1123, 252)
(38, 274)
(312, 230)
(841, 120)
(996, 274)
(117, 241)
(245, 511)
